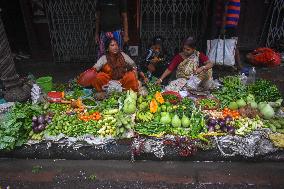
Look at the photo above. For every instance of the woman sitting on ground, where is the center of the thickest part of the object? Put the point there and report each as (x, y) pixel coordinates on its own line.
(189, 62)
(114, 65)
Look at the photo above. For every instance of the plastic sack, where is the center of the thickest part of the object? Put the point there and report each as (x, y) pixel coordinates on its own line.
(264, 57)
(85, 79)
(113, 86)
(222, 51)
(193, 82)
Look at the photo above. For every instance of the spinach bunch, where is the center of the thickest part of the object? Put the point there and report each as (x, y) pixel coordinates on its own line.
(15, 128)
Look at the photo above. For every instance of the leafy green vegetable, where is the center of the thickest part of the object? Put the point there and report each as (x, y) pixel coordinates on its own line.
(232, 90)
(16, 126)
(264, 90)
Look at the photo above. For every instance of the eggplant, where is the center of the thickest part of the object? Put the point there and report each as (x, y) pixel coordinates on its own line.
(34, 124)
(36, 129)
(212, 122)
(41, 127)
(41, 119)
(224, 128)
(231, 129)
(34, 119)
(228, 119)
(211, 128)
(222, 123)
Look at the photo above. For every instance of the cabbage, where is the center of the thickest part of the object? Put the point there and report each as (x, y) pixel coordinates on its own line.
(185, 122)
(176, 122)
(233, 106)
(131, 94)
(253, 104)
(261, 105)
(267, 111)
(241, 103)
(250, 98)
(129, 108)
(165, 118)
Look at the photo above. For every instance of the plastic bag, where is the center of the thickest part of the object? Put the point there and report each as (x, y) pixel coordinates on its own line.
(85, 79)
(193, 82)
(176, 85)
(222, 52)
(264, 57)
(244, 78)
(113, 86)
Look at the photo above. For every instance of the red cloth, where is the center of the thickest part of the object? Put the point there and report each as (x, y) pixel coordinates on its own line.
(85, 79)
(128, 81)
(264, 57)
(178, 59)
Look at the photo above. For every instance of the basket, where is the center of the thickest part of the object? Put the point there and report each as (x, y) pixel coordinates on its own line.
(45, 83)
(176, 94)
(208, 108)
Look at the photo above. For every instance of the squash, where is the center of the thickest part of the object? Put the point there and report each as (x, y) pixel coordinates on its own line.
(159, 97)
(153, 106)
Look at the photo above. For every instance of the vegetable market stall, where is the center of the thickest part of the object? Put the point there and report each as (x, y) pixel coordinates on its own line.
(233, 122)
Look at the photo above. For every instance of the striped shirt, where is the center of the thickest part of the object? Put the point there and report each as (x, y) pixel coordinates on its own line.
(232, 13)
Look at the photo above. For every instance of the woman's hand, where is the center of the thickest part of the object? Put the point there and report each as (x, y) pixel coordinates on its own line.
(146, 80)
(159, 81)
(199, 70)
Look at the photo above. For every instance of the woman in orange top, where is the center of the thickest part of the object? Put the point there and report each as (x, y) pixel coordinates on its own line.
(115, 65)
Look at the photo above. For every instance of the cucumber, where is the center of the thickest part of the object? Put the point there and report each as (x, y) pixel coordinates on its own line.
(277, 125)
(273, 128)
(280, 131)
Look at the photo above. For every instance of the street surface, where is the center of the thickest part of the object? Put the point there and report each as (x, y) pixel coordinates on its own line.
(18, 173)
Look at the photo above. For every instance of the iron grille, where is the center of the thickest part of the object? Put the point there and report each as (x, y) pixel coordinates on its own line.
(72, 29)
(173, 20)
(276, 27)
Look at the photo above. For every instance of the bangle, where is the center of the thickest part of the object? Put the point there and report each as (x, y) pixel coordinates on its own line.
(160, 79)
(204, 67)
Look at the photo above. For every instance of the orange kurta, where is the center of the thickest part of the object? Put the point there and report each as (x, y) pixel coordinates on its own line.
(128, 81)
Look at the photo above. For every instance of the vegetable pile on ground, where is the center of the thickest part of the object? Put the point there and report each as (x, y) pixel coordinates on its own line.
(232, 90)
(235, 109)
